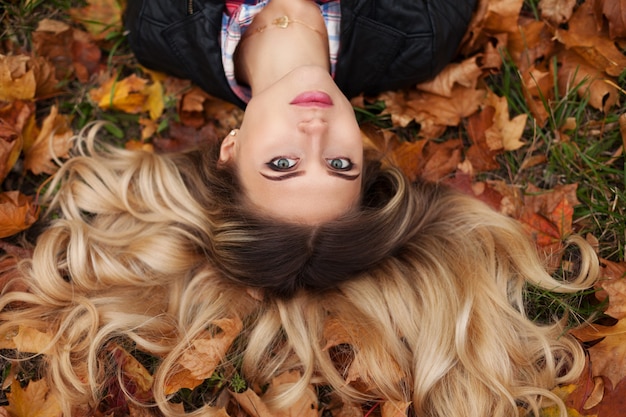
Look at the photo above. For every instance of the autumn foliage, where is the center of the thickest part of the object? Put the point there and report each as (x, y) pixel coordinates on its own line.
(457, 127)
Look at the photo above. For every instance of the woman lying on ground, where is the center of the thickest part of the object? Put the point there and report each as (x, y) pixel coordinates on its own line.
(423, 287)
(293, 64)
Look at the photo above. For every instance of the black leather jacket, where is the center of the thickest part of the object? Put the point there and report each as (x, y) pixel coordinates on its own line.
(384, 44)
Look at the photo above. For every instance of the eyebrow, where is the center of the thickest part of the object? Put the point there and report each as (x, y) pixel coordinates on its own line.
(288, 175)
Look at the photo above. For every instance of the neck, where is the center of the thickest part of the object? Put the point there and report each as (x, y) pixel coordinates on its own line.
(268, 52)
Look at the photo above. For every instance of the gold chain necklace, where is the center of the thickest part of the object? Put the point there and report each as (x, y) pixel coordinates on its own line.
(283, 22)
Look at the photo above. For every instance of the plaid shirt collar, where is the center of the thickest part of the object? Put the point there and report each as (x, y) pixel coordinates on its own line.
(238, 15)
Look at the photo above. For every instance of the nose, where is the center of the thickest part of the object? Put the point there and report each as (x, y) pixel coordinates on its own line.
(313, 127)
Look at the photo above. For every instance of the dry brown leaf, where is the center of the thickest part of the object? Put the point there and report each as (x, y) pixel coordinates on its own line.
(530, 43)
(502, 15)
(538, 87)
(608, 357)
(613, 285)
(204, 355)
(593, 45)
(17, 80)
(17, 213)
(622, 129)
(100, 17)
(33, 401)
(464, 73)
(482, 152)
(13, 116)
(506, 131)
(557, 11)
(133, 371)
(439, 160)
(27, 340)
(576, 72)
(547, 217)
(615, 13)
(252, 403)
(446, 111)
(53, 142)
(409, 158)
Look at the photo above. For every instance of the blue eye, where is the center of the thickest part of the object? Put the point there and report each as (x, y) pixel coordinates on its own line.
(341, 164)
(282, 163)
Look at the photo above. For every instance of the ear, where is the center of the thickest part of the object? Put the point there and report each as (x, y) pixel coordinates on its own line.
(227, 148)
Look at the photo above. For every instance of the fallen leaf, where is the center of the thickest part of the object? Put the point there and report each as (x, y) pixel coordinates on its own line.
(502, 15)
(100, 17)
(252, 403)
(613, 282)
(507, 131)
(126, 94)
(136, 378)
(613, 402)
(575, 72)
(53, 142)
(17, 213)
(532, 42)
(538, 90)
(33, 401)
(465, 73)
(17, 80)
(482, 151)
(547, 217)
(205, 354)
(557, 11)
(584, 38)
(27, 340)
(440, 159)
(154, 102)
(622, 129)
(615, 13)
(608, 357)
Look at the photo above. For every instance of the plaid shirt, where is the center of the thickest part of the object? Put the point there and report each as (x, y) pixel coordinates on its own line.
(238, 15)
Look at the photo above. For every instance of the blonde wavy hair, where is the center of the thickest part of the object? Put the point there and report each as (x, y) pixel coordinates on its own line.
(152, 248)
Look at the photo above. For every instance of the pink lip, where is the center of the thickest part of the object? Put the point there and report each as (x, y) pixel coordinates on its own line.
(312, 99)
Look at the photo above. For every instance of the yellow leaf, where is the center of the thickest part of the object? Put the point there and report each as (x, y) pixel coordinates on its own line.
(126, 95)
(26, 339)
(154, 103)
(33, 401)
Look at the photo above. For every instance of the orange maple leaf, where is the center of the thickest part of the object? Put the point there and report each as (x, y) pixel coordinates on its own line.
(608, 357)
(17, 213)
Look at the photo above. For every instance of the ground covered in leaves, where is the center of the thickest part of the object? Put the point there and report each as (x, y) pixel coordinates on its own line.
(528, 119)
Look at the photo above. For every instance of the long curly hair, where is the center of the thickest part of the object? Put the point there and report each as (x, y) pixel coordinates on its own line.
(426, 284)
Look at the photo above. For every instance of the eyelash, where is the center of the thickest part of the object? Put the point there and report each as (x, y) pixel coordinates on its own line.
(272, 164)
